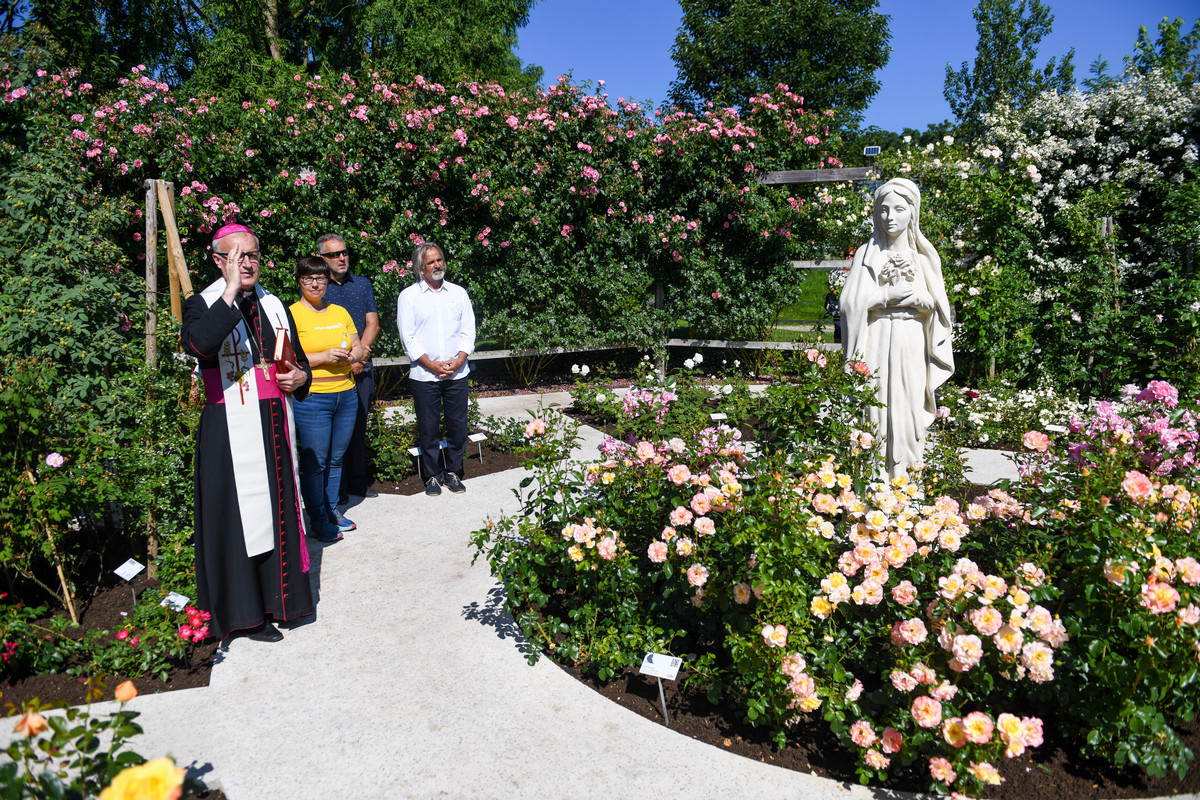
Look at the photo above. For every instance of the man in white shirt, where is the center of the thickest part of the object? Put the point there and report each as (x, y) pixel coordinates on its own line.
(437, 328)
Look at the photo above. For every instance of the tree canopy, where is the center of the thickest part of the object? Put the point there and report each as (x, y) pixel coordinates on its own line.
(1177, 54)
(1005, 62)
(828, 51)
(227, 43)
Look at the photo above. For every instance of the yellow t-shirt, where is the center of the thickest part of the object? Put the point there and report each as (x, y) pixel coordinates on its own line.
(321, 330)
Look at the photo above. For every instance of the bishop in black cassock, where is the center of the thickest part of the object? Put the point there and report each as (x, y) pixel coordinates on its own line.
(251, 555)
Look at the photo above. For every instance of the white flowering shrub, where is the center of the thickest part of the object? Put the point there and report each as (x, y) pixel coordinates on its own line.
(1067, 237)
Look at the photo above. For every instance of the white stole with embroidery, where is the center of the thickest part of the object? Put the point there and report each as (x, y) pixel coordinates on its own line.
(244, 420)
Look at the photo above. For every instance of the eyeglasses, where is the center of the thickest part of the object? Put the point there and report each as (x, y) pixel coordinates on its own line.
(310, 280)
(336, 253)
(252, 257)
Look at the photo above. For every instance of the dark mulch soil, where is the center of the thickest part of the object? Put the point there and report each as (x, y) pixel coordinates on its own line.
(103, 612)
(493, 461)
(1052, 772)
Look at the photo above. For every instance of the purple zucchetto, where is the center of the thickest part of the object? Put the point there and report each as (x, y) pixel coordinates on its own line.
(232, 227)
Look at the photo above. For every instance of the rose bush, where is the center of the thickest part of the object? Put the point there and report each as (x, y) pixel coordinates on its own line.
(917, 627)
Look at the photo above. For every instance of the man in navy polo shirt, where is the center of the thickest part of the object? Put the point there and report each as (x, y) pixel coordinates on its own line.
(354, 293)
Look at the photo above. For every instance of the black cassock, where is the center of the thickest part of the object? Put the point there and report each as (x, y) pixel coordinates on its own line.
(242, 591)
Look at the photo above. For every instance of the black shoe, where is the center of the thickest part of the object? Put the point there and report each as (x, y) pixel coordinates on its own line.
(267, 633)
(370, 493)
(454, 483)
(433, 487)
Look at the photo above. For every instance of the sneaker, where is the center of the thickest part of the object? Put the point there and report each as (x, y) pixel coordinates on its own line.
(433, 487)
(327, 535)
(454, 483)
(343, 524)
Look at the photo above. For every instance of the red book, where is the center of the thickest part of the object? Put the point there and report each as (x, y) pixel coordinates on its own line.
(285, 356)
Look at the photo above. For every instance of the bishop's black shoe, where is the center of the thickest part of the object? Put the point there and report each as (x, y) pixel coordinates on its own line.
(454, 483)
(267, 633)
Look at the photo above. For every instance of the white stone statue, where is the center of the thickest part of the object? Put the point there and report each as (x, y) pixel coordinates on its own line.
(896, 319)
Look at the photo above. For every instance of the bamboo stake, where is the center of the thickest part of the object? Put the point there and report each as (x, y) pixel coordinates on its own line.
(151, 275)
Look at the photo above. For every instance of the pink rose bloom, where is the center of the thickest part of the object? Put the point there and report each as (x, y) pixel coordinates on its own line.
(978, 727)
(1160, 391)
(701, 504)
(607, 548)
(535, 427)
(967, 649)
(803, 686)
(953, 733)
(683, 547)
(987, 620)
(679, 474)
(876, 759)
(1160, 598)
(645, 451)
(1137, 485)
(1036, 440)
(985, 773)
(903, 681)
(657, 551)
(705, 526)
(775, 635)
(892, 740)
(681, 516)
(741, 594)
(1189, 614)
(904, 593)
(941, 770)
(697, 575)
(862, 734)
(944, 691)
(855, 691)
(909, 631)
(923, 675)
(793, 665)
(926, 712)
(1188, 568)
(55, 460)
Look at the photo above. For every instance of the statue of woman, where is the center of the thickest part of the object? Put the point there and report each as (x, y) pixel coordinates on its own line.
(896, 319)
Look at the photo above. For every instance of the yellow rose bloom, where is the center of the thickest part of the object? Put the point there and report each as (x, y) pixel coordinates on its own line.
(159, 779)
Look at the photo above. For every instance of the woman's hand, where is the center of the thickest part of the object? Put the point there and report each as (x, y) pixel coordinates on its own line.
(337, 355)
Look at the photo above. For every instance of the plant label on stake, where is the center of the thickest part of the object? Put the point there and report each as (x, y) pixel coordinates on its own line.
(176, 601)
(127, 572)
(718, 416)
(661, 666)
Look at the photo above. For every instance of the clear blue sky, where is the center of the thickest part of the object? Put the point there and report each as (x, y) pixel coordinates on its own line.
(627, 44)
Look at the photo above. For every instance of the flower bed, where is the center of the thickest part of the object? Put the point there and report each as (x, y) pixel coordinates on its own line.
(922, 631)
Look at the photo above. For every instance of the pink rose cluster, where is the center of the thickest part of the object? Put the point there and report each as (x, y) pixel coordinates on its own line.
(640, 401)
(196, 628)
(1023, 634)
(1164, 440)
(589, 536)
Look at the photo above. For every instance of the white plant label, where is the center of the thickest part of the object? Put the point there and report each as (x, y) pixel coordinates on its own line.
(176, 601)
(129, 570)
(661, 666)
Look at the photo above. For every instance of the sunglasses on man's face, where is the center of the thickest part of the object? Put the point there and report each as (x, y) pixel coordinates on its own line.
(336, 253)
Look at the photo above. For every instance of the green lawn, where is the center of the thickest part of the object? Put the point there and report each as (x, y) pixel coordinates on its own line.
(810, 305)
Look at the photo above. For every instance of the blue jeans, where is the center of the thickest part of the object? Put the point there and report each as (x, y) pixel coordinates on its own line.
(324, 425)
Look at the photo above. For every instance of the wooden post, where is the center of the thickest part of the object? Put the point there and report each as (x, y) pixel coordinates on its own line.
(174, 249)
(151, 275)
(178, 263)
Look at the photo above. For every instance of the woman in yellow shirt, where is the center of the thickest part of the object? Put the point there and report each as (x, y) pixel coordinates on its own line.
(325, 419)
